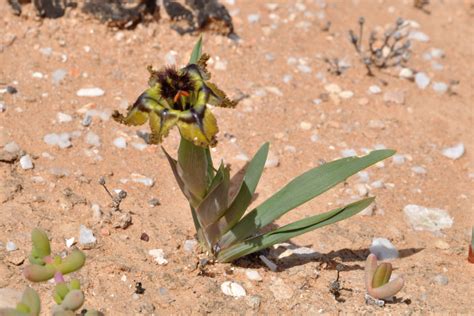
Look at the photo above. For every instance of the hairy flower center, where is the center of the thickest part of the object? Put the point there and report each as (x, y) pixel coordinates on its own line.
(176, 88)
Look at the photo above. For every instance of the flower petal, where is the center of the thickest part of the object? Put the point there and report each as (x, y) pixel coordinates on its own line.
(200, 127)
(160, 124)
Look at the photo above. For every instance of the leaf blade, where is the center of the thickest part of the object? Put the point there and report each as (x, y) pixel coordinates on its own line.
(300, 190)
(197, 52)
(292, 230)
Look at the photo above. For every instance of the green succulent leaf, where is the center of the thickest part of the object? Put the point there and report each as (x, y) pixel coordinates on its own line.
(73, 300)
(300, 190)
(286, 232)
(60, 292)
(382, 275)
(38, 273)
(31, 299)
(74, 261)
(41, 246)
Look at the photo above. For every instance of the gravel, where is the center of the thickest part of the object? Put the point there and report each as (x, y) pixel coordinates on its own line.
(26, 163)
(86, 236)
(233, 289)
(63, 117)
(383, 249)
(158, 255)
(93, 139)
(62, 140)
(90, 92)
(120, 142)
(375, 89)
(58, 76)
(253, 275)
(422, 80)
(440, 87)
(10, 246)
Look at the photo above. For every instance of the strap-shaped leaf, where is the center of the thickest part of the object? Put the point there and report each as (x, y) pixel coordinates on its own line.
(300, 190)
(291, 230)
(192, 167)
(243, 198)
(193, 200)
(216, 201)
(197, 51)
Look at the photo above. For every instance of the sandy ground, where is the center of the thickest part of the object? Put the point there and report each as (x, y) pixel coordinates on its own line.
(301, 132)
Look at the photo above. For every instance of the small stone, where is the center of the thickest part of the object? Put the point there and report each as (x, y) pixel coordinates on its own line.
(361, 189)
(220, 65)
(346, 94)
(253, 275)
(144, 237)
(253, 18)
(287, 78)
(333, 88)
(11, 147)
(233, 289)
(63, 117)
(90, 92)
(10, 246)
(170, 57)
(120, 142)
(406, 73)
(105, 231)
(305, 126)
(273, 160)
(253, 301)
(153, 202)
(348, 153)
(363, 176)
(424, 218)
(37, 75)
(383, 249)
(398, 159)
(418, 36)
(119, 36)
(189, 245)
(70, 242)
(158, 255)
(454, 152)
(441, 279)
(440, 87)
(280, 290)
(441, 244)
(86, 121)
(138, 178)
(376, 124)
(419, 170)
(93, 139)
(304, 69)
(374, 89)
(422, 80)
(377, 184)
(86, 236)
(397, 97)
(314, 138)
(58, 76)
(46, 51)
(26, 163)
(3, 107)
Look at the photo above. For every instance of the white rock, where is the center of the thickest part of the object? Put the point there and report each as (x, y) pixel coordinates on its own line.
(377, 184)
(63, 117)
(11, 147)
(10, 246)
(189, 245)
(274, 90)
(253, 18)
(424, 218)
(375, 89)
(314, 138)
(440, 87)
(441, 279)
(70, 242)
(253, 275)
(422, 80)
(348, 153)
(418, 36)
(376, 124)
(398, 159)
(140, 146)
(304, 69)
(233, 289)
(51, 139)
(3, 107)
(158, 255)
(332, 88)
(46, 51)
(93, 139)
(406, 73)
(138, 178)
(272, 161)
(220, 65)
(305, 125)
(26, 162)
(419, 170)
(287, 78)
(58, 76)
(363, 176)
(120, 142)
(170, 57)
(90, 92)
(454, 152)
(86, 236)
(383, 249)
(397, 97)
(346, 94)
(37, 75)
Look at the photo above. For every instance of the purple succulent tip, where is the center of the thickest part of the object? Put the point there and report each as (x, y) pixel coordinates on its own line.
(58, 277)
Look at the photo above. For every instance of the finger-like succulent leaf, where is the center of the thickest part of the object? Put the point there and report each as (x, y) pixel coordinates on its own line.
(300, 190)
(74, 261)
(388, 289)
(31, 299)
(73, 300)
(60, 292)
(37, 273)
(382, 275)
(286, 232)
(74, 284)
(41, 246)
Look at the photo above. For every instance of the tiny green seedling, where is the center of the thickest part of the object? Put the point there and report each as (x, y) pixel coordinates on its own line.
(377, 280)
(179, 97)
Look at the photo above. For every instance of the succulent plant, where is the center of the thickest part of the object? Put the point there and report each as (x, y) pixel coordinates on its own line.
(377, 279)
(43, 266)
(29, 305)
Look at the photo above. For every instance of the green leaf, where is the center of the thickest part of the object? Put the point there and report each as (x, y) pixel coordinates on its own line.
(197, 51)
(300, 190)
(192, 167)
(291, 230)
(31, 299)
(193, 200)
(216, 201)
(244, 196)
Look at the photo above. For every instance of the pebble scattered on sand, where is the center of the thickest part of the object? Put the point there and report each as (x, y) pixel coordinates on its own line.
(233, 289)
(90, 92)
(383, 249)
(422, 80)
(26, 163)
(454, 152)
(86, 236)
(120, 142)
(425, 218)
(158, 255)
